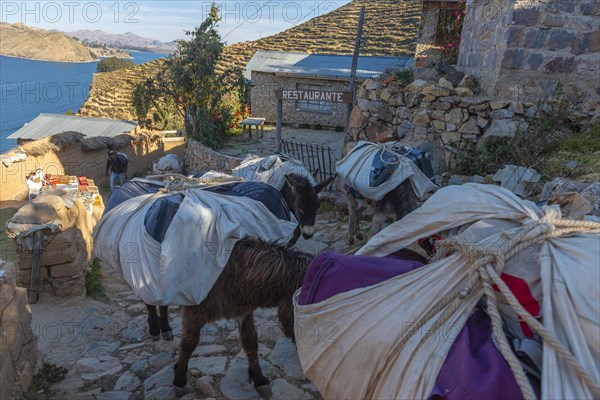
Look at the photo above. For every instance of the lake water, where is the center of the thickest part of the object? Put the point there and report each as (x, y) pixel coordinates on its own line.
(30, 87)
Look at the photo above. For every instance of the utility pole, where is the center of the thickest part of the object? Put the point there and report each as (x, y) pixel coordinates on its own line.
(352, 84)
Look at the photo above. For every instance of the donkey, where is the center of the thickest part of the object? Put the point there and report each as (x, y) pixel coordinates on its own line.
(302, 199)
(396, 205)
(258, 274)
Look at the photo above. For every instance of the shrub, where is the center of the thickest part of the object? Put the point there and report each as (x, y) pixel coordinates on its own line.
(404, 77)
(113, 64)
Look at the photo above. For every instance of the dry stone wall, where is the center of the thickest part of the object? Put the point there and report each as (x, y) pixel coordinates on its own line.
(18, 350)
(440, 114)
(201, 159)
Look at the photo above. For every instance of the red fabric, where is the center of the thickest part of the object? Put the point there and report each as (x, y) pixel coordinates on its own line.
(523, 294)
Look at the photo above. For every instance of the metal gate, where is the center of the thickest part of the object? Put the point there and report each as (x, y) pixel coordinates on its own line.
(319, 160)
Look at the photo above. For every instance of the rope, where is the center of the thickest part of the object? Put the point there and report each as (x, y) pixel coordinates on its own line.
(486, 266)
(551, 225)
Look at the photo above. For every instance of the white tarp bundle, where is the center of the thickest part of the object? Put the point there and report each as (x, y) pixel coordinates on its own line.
(355, 169)
(271, 170)
(183, 268)
(380, 347)
(167, 164)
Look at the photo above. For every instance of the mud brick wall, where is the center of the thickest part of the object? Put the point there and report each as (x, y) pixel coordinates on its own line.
(18, 349)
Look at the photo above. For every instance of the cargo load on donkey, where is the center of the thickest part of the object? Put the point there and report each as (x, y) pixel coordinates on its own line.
(507, 308)
(391, 177)
(171, 243)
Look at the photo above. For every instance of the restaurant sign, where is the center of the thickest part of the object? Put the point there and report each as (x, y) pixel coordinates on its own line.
(314, 95)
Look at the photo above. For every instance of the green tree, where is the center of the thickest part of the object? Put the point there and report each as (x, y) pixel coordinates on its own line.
(113, 64)
(192, 84)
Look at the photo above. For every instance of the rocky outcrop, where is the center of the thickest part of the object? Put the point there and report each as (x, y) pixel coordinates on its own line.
(18, 351)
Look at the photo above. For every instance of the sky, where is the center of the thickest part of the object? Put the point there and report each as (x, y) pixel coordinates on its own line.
(166, 20)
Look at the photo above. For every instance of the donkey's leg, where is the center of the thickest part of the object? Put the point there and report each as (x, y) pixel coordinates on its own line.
(192, 323)
(153, 322)
(249, 339)
(165, 328)
(379, 219)
(285, 314)
(353, 220)
(358, 218)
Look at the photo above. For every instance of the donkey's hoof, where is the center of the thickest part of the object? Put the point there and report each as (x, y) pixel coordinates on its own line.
(181, 391)
(260, 381)
(167, 336)
(180, 382)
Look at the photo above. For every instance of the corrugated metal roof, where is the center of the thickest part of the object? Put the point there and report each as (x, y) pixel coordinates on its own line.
(45, 125)
(330, 66)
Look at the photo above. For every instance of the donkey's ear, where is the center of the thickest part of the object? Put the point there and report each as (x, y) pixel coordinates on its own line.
(291, 180)
(323, 184)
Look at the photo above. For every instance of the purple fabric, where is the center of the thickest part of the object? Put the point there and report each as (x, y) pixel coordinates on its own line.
(331, 273)
(474, 368)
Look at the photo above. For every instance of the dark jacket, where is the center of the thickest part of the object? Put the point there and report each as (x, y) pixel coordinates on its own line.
(118, 165)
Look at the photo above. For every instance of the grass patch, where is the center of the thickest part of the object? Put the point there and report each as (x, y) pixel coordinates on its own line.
(7, 247)
(48, 375)
(547, 144)
(93, 286)
(326, 206)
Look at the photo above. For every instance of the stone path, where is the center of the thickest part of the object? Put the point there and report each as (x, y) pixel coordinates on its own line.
(110, 356)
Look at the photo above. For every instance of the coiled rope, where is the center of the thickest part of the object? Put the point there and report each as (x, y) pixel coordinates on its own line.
(484, 272)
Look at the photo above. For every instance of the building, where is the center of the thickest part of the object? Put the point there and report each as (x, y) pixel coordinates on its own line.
(278, 70)
(45, 125)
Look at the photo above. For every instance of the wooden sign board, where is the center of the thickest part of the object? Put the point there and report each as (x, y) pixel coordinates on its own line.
(314, 95)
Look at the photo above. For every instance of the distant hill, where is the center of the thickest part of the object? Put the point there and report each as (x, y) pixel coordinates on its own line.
(19, 40)
(390, 29)
(126, 41)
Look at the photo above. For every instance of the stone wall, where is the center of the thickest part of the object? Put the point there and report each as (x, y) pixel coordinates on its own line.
(440, 114)
(18, 350)
(79, 159)
(264, 104)
(520, 49)
(428, 28)
(201, 159)
(64, 260)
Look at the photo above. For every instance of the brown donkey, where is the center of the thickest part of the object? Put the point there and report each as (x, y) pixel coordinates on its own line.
(258, 274)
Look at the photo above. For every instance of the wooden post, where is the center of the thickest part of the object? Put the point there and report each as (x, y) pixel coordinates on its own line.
(279, 122)
(38, 245)
(352, 84)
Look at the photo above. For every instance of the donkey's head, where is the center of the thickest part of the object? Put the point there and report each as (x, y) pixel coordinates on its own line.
(303, 200)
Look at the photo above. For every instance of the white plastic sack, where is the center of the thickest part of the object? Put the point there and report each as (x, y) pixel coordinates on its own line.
(270, 170)
(183, 268)
(355, 169)
(167, 164)
(360, 359)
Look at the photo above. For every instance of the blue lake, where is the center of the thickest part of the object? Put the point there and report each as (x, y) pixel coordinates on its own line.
(30, 87)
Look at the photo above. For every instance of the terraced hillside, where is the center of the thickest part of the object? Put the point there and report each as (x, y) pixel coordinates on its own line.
(390, 29)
